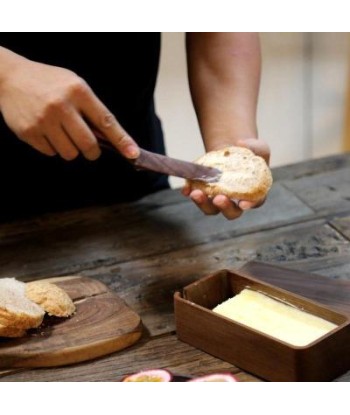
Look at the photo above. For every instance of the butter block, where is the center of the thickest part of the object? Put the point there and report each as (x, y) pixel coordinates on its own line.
(274, 317)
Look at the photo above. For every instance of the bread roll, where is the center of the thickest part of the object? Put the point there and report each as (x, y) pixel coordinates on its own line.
(23, 306)
(16, 310)
(54, 300)
(245, 176)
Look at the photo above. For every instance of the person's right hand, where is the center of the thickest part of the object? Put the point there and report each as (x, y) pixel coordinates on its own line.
(55, 111)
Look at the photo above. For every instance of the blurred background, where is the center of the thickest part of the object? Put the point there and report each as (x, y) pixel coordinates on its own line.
(303, 97)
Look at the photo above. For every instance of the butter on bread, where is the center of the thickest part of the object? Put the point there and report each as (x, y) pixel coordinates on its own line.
(245, 176)
(51, 298)
(16, 310)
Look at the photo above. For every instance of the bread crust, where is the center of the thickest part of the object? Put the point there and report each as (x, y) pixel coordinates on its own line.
(8, 331)
(246, 176)
(53, 300)
(40, 297)
(20, 320)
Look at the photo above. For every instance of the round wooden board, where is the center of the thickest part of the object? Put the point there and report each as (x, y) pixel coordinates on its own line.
(102, 324)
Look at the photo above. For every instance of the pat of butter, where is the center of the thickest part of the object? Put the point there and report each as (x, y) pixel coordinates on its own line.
(274, 318)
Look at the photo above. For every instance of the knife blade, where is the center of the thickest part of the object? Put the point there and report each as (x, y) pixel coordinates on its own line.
(148, 160)
(175, 167)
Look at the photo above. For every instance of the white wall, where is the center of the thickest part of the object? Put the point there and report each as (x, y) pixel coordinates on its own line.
(301, 105)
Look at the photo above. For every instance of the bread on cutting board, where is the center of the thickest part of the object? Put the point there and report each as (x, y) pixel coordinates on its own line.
(23, 306)
(16, 310)
(51, 298)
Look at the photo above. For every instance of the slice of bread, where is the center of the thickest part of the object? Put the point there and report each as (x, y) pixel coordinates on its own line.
(54, 300)
(8, 331)
(245, 176)
(16, 310)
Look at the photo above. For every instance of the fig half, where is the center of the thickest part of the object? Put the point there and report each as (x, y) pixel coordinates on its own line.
(215, 377)
(152, 375)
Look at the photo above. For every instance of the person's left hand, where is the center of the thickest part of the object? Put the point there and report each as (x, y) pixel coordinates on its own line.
(231, 209)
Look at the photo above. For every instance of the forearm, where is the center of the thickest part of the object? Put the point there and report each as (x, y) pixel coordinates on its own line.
(224, 76)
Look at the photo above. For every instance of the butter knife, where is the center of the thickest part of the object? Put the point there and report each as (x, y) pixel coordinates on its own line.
(173, 167)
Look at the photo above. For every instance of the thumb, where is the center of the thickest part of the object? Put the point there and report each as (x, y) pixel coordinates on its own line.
(257, 146)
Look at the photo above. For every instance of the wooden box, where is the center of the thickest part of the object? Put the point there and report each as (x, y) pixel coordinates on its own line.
(254, 351)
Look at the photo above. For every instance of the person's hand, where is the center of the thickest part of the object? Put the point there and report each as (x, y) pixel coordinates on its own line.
(55, 111)
(231, 209)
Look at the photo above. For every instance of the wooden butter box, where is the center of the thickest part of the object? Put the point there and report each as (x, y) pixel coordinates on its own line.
(252, 350)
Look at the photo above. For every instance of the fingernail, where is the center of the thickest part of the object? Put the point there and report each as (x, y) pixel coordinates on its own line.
(220, 201)
(93, 154)
(222, 204)
(244, 205)
(196, 199)
(132, 151)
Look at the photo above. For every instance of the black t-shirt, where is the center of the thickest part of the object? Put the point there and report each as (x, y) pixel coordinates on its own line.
(121, 68)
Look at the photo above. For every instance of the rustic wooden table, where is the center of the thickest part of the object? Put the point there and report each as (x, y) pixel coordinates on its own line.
(147, 250)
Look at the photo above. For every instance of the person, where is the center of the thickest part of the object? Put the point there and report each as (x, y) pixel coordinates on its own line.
(58, 96)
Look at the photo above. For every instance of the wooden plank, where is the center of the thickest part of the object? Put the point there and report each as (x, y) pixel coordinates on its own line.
(336, 267)
(121, 214)
(325, 192)
(163, 352)
(311, 167)
(162, 198)
(67, 244)
(342, 224)
(148, 284)
(335, 294)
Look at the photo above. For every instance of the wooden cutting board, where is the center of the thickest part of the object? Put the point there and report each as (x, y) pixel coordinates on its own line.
(102, 324)
(327, 291)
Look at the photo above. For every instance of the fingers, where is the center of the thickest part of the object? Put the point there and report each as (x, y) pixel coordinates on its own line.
(66, 140)
(61, 142)
(245, 205)
(40, 143)
(204, 203)
(81, 135)
(101, 118)
(228, 208)
(220, 204)
(258, 146)
(186, 190)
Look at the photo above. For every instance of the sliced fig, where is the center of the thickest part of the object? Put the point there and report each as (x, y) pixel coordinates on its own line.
(152, 375)
(215, 377)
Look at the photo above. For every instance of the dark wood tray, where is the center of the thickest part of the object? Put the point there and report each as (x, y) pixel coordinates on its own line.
(265, 356)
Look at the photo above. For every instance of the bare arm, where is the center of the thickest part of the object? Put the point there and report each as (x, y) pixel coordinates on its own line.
(54, 110)
(224, 77)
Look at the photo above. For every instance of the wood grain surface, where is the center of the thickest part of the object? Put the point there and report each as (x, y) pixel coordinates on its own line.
(102, 324)
(335, 294)
(146, 250)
